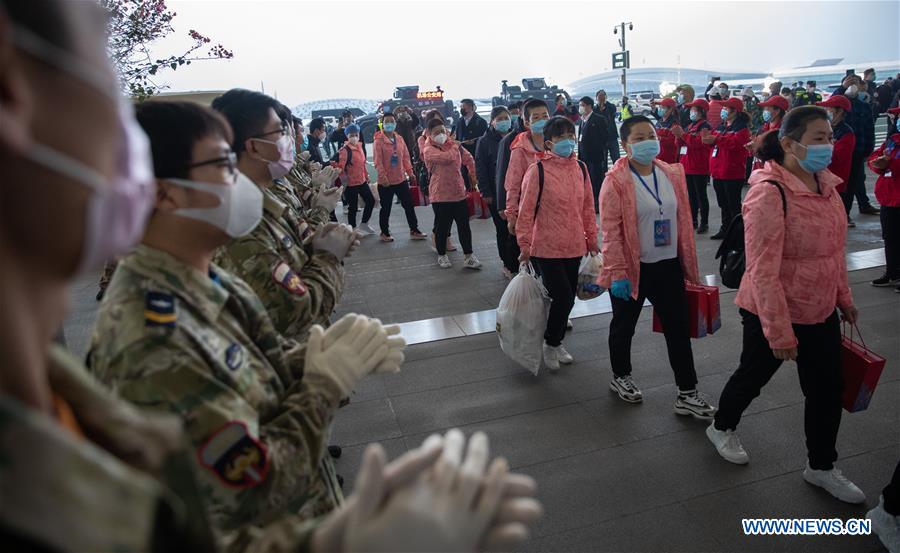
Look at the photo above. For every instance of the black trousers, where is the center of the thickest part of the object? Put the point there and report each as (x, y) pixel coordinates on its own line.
(856, 184)
(353, 194)
(890, 232)
(560, 278)
(503, 238)
(597, 171)
(386, 195)
(819, 368)
(445, 213)
(728, 196)
(663, 284)
(696, 185)
(891, 494)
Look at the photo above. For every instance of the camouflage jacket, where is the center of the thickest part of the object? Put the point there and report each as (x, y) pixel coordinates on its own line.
(300, 179)
(107, 490)
(172, 338)
(298, 289)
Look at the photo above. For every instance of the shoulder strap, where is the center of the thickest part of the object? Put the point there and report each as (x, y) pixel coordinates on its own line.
(583, 169)
(349, 154)
(537, 205)
(783, 197)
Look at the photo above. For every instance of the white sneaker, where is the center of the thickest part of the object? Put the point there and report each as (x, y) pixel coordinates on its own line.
(626, 388)
(366, 228)
(551, 358)
(564, 356)
(694, 404)
(886, 526)
(728, 445)
(361, 230)
(471, 262)
(444, 262)
(569, 325)
(834, 483)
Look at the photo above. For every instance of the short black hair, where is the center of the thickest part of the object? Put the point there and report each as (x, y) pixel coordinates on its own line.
(625, 129)
(297, 121)
(558, 126)
(246, 111)
(387, 114)
(434, 122)
(787, 90)
(173, 128)
(316, 124)
(44, 18)
(531, 104)
(516, 105)
(467, 101)
(587, 100)
(497, 111)
(601, 91)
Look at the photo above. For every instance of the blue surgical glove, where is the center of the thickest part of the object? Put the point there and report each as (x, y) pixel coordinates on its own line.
(621, 289)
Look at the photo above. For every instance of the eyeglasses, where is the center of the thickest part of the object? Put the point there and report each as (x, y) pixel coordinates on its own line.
(283, 131)
(229, 161)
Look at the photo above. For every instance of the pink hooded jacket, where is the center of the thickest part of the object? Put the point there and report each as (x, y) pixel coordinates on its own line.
(796, 263)
(619, 224)
(384, 149)
(565, 225)
(355, 172)
(521, 155)
(443, 162)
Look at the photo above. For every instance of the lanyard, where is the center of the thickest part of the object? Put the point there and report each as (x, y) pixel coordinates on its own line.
(656, 196)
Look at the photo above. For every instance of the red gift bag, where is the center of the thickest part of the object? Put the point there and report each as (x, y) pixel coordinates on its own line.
(703, 309)
(418, 198)
(476, 204)
(861, 368)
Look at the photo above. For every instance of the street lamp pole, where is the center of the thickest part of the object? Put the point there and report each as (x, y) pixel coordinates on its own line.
(616, 29)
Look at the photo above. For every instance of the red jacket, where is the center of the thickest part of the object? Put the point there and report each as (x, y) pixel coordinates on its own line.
(668, 149)
(728, 159)
(714, 115)
(354, 173)
(385, 149)
(844, 143)
(696, 160)
(770, 126)
(887, 188)
(444, 162)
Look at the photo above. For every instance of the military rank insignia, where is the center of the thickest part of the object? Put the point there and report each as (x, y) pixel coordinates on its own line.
(288, 279)
(234, 356)
(234, 456)
(159, 309)
(287, 242)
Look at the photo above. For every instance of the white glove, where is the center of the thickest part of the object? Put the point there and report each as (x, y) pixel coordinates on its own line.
(335, 238)
(356, 346)
(327, 198)
(395, 343)
(323, 178)
(315, 166)
(304, 156)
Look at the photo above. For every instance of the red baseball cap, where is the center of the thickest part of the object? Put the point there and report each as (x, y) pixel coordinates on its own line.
(734, 103)
(698, 103)
(667, 102)
(836, 101)
(776, 101)
(894, 111)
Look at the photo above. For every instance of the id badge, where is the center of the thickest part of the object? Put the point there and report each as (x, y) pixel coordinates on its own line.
(394, 160)
(715, 151)
(889, 174)
(683, 151)
(662, 232)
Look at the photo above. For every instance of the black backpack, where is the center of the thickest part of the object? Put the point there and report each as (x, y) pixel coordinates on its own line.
(540, 166)
(731, 251)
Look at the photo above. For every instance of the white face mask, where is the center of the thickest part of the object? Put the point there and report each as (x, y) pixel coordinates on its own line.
(353, 140)
(240, 205)
(439, 139)
(582, 110)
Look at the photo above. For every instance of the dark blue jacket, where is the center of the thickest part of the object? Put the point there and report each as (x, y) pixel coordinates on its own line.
(486, 162)
(503, 163)
(860, 120)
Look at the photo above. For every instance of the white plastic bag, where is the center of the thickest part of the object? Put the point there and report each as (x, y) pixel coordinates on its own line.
(522, 319)
(587, 288)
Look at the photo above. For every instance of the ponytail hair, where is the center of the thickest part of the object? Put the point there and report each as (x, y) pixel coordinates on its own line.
(792, 126)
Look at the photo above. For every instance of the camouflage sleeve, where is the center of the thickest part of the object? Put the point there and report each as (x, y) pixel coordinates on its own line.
(250, 469)
(295, 297)
(287, 534)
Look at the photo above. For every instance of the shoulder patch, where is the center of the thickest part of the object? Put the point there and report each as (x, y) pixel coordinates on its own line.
(159, 309)
(288, 279)
(234, 356)
(287, 242)
(234, 456)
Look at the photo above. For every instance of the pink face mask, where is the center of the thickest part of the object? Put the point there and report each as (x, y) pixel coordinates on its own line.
(118, 207)
(286, 154)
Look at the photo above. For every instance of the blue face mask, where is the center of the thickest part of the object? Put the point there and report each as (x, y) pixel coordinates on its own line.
(661, 111)
(680, 98)
(513, 117)
(389, 127)
(724, 114)
(830, 115)
(564, 148)
(695, 116)
(767, 116)
(818, 157)
(645, 151)
(538, 126)
(502, 125)
(305, 145)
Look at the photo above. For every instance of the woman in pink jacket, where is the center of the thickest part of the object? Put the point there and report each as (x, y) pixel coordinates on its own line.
(796, 277)
(556, 228)
(649, 252)
(352, 163)
(394, 170)
(443, 158)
